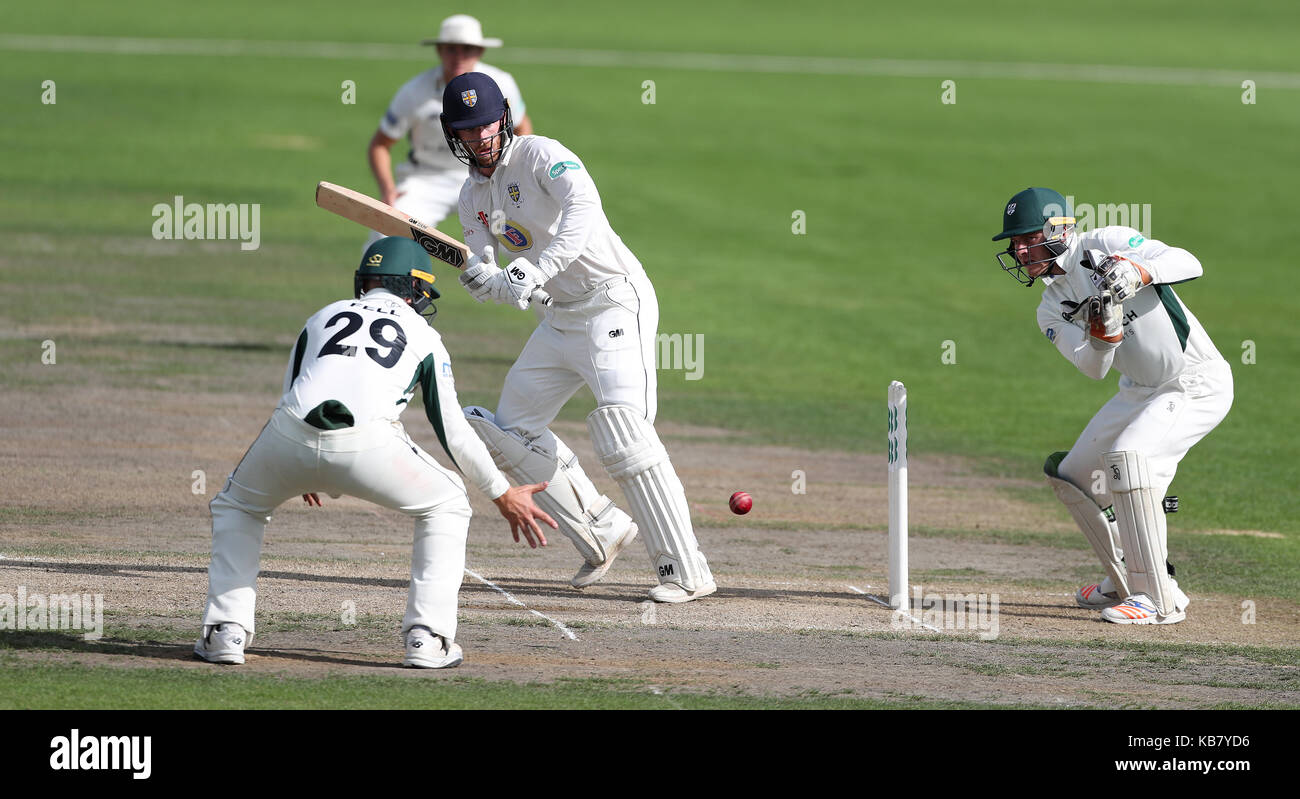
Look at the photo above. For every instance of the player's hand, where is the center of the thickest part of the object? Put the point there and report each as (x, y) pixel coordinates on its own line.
(1119, 275)
(311, 499)
(1105, 321)
(521, 279)
(479, 279)
(517, 506)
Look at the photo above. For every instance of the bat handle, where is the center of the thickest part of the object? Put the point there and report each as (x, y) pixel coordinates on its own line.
(540, 297)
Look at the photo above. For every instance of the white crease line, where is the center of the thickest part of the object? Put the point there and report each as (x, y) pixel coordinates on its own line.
(512, 600)
(879, 601)
(704, 62)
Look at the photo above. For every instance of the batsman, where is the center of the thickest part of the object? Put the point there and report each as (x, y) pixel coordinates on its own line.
(1109, 303)
(531, 202)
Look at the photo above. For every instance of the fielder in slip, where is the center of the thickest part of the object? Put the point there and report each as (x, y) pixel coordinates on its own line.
(532, 198)
(1109, 303)
(337, 430)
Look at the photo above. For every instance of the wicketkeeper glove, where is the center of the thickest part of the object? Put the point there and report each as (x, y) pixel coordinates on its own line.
(1105, 318)
(1117, 274)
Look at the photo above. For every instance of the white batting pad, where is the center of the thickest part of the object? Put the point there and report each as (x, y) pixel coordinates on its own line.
(1103, 536)
(1141, 522)
(590, 520)
(632, 454)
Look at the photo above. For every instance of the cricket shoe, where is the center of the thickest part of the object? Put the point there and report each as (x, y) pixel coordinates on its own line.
(589, 574)
(1141, 609)
(674, 593)
(425, 650)
(1098, 595)
(222, 643)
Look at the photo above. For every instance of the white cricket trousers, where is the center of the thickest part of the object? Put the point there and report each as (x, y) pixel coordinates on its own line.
(375, 462)
(605, 341)
(1160, 423)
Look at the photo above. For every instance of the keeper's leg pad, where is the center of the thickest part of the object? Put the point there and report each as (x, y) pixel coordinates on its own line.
(1141, 522)
(1100, 532)
(588, 518)
(632, 454)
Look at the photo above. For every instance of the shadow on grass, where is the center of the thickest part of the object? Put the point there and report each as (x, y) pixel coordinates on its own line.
(473, 591)
(176, 653)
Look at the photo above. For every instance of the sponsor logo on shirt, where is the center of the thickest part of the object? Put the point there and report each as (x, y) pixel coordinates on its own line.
(516, 238)
(1136, 240)
(562, 167)
(1051, 334)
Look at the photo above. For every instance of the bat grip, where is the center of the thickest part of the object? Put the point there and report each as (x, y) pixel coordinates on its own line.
(540, 297)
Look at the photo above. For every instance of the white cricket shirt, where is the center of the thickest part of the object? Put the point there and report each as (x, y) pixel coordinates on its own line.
(1161, 336)
(541, 204)
(359, 361)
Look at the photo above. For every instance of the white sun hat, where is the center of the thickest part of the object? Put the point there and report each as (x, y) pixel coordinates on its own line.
(462, 29)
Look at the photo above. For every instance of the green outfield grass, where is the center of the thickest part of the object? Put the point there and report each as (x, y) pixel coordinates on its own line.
(48, 686)
(51, 687)
(802, 332)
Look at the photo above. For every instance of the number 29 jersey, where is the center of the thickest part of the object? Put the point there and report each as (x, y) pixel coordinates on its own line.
(358, 362)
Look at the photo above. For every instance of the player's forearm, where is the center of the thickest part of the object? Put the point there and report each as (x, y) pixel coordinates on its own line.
(472, 455)
(464, 446)
(381, 165)
(1073, 344)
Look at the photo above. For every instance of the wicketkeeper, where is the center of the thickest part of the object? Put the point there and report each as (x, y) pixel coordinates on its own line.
(1109, 303)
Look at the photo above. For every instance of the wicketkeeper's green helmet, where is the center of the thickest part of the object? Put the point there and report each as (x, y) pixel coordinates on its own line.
(402, 267)
(1030, 211)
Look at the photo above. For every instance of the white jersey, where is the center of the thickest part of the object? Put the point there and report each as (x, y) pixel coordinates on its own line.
(544, 206)
(417, 106)
(1162, 338)
(359, 361)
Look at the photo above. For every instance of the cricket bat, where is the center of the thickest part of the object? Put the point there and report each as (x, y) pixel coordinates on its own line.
(389, 221)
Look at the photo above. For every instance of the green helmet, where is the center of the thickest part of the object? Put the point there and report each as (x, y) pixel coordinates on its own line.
(402, 267)
(1030, 211)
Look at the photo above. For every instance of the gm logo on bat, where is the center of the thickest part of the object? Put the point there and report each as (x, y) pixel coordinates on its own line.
(438, 249)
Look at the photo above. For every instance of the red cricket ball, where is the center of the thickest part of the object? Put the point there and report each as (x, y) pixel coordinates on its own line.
(741, 502)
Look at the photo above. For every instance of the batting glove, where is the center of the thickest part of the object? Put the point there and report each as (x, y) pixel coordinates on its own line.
(1118, 275)
(519, 280)
(478, 277)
